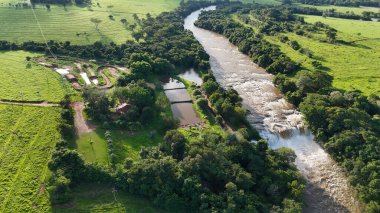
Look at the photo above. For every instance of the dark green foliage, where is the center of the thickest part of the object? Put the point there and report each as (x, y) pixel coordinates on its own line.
(98, 104)
(202, 103)
(215, 174)
(63, 2)
(344, 125)
(355, 3)
(295, 45)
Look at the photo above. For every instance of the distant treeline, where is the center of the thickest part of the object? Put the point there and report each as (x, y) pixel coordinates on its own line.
(365, 16)
(352, 3)
(62, 2)
(347, 124)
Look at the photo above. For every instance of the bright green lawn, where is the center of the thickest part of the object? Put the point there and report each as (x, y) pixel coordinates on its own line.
(27, 139)
(356, 10)
(62, 24)
(352, 66)
(27, 81)
(126, 144)
(99, 198)
(367, 29)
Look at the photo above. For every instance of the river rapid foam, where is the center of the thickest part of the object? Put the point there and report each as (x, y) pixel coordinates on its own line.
(327, 188)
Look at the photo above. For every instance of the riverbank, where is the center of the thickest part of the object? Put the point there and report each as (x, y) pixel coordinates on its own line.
(267, 107)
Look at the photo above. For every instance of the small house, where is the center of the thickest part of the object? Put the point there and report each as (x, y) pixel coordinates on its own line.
(122, 108)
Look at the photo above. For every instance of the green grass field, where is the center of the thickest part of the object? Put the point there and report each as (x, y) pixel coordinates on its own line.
(126, 144)
(27, 138)
(63, 24)
(366, 29)
(355, 66)
(99, 198)
(26, 81)
(356, 10)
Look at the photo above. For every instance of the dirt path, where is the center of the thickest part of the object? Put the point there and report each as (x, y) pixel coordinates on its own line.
(81, 125)
(108, 84)
(27, 103)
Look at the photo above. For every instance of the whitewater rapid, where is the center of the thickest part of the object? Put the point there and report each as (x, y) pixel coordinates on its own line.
(327, 188)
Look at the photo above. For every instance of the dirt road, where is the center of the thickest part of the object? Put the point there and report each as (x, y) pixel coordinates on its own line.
(81, 125)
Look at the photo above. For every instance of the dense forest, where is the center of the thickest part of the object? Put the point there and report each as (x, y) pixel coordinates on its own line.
(209, 173)
(346, 123)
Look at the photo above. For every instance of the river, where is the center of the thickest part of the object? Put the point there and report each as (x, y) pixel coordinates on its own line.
(327, 188)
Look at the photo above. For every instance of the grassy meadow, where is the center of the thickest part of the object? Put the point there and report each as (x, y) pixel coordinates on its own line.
(72, 23)
(354, 29)
(93, 147)
(354, 66)
(27, 139)
(342, 9)
(26, 81)
(100, 198)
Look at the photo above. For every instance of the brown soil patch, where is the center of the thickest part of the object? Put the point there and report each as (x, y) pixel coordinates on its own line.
(81, 125)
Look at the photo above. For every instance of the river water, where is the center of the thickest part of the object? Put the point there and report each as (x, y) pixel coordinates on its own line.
(327, 188)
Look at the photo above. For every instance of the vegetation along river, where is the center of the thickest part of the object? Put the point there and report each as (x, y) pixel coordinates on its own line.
(327, 188)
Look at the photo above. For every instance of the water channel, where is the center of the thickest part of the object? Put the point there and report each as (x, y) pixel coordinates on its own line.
(327, 188)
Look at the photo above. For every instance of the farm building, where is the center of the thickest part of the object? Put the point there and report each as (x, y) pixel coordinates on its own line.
(122, 108)
(71, 78)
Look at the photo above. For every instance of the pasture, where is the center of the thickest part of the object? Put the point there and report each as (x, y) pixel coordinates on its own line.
(27, 139)
(354, 66)
(26, 81)
(362, 29)
(73, 23)
(342, 9)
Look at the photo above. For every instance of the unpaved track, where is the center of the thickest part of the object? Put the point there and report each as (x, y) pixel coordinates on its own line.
(81, 125)
(26, 103)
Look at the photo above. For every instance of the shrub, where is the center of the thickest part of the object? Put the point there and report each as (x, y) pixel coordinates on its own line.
(202, 103)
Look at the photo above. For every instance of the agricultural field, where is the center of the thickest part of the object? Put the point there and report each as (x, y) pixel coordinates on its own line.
(27, 138)
(26, 81)
(73, 23)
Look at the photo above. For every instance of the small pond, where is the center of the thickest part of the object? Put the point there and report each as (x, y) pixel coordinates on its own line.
(191, 75)
(185, 113)
(178, 95)
(171, 83)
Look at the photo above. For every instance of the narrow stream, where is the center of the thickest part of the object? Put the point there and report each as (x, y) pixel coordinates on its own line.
(327, 188)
